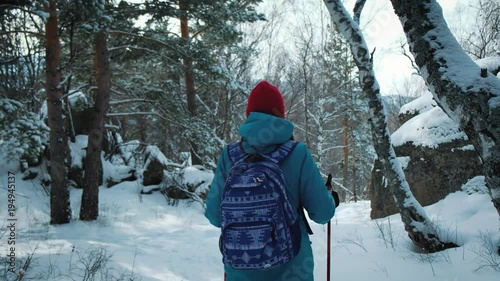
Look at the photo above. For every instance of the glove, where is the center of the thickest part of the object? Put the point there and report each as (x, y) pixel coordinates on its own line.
(335, 198)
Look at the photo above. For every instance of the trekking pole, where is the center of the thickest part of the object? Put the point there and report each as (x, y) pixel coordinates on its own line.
(328, 232)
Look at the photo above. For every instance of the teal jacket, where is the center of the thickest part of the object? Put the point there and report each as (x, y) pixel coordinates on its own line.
(262, 133)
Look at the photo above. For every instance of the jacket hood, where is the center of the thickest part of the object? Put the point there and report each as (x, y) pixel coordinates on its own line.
(263, 132)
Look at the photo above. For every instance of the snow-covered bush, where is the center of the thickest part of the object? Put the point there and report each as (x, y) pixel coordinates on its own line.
(208, 144)
(127, 153)
(191, 182)
(155, 172)
(78, 101)
(23, 135)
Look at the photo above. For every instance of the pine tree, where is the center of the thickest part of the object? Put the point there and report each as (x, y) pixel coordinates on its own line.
(93, 164)
(59, 193)
(188, 64)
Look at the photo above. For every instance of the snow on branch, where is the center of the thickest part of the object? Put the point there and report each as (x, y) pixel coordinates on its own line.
(18, 7)
(164, 44)
(133, 48)
(116, 114)
(456, 66)
(118, 102)
(492, 64)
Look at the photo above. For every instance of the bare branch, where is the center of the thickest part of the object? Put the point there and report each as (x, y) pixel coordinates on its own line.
(409, 57)
(9, 61)
(118, 114)
(17, 7)
(36, 34)
(164, 44)
(118, 102)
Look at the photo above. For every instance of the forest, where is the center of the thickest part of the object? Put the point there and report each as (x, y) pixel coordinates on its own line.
(94, 93)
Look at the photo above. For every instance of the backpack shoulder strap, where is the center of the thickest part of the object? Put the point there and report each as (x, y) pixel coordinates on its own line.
(282, 151)
(236, 152)
(278, 155)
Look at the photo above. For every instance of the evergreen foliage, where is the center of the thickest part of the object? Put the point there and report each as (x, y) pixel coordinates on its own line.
(23, 136)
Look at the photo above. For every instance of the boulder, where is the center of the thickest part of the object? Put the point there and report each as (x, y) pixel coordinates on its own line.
(115, 174)
(420, 105)
(436, 156)
(432, 174)
(189, 182)
(154, 165)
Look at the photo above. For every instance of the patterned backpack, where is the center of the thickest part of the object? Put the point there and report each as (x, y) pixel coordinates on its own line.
(260, 229)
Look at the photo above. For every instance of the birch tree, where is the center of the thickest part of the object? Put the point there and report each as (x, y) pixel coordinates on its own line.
(418, 226)
(468, 94)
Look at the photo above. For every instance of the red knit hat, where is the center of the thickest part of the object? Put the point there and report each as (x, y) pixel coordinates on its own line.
(266, 98)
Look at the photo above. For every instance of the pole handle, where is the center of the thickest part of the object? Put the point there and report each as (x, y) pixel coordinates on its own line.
(329, 182)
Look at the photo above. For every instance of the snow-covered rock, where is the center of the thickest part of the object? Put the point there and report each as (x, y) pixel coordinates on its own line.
(436, 156)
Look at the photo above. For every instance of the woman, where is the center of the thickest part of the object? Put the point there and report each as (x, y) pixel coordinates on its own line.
(264, 130)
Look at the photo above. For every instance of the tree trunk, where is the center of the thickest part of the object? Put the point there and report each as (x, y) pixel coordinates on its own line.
(345, 170)
(143, 125)
(306, 95)
(470, 100)
(320, 142)
(475, 105)
(417, 224)
(93, 165)
(354, 188)
(189, 79)
(60, 209)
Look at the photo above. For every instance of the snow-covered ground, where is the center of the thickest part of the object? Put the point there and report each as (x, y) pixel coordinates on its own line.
(143, 238)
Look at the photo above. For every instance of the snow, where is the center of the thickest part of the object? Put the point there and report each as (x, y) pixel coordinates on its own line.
(194, 176)
(157, 154)
(403, 161)
(127, 150)
(147, 239)
(494, 103)
(429, 129)
(490, 63)
(77, 98)
(468, 147)
(421, 104)
(78, 150)
(475, 185)
(44, 15)
(115, 173)
(461, 70)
